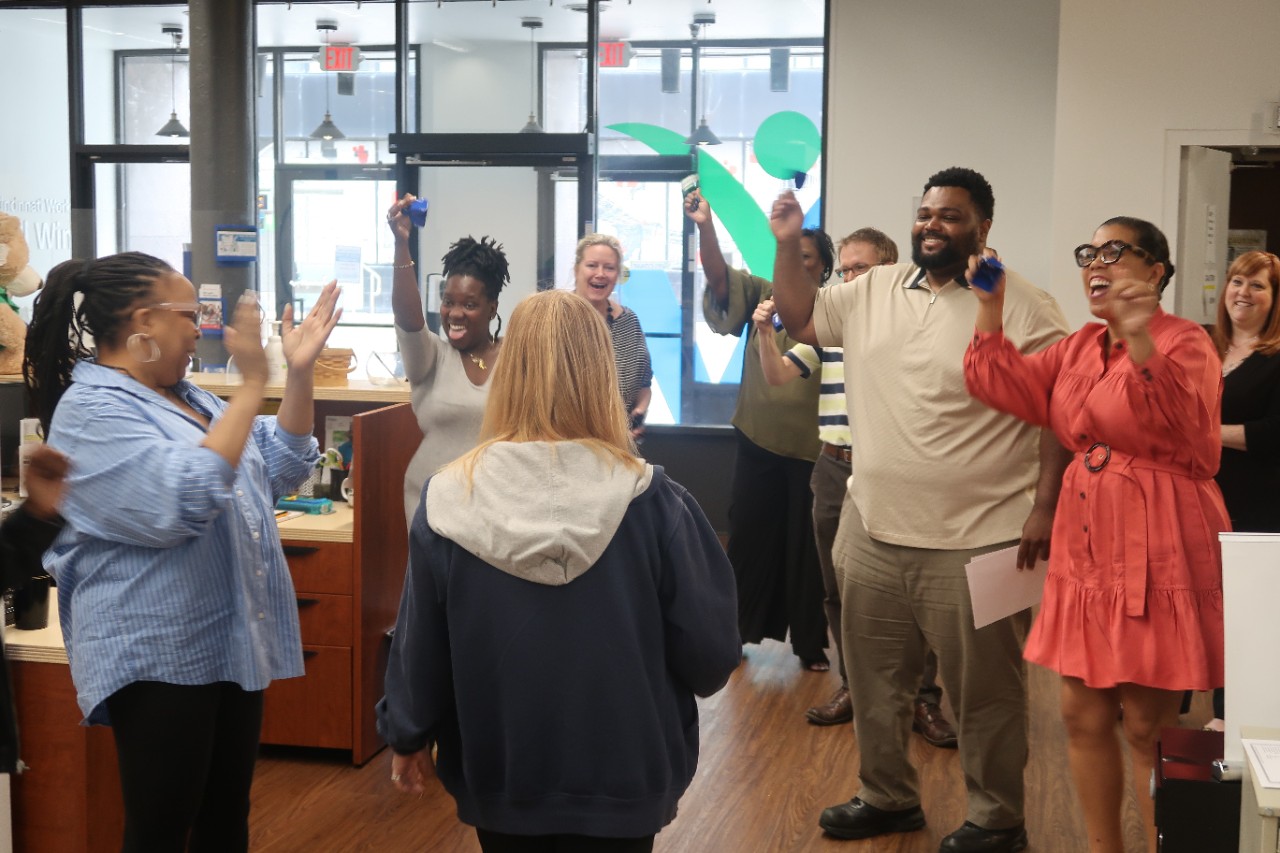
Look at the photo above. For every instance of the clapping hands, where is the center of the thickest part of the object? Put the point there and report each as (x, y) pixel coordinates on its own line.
(303, 342)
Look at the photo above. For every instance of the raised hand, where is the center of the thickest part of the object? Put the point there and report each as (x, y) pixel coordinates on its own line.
(243, 339)
(696, 208)
(1133, 302)
(398, 219)
(763, 316)
(786, 218)
(302, 343)
(996, 294)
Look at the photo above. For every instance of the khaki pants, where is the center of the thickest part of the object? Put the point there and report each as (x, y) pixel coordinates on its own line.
(830, 486)
(898, 602)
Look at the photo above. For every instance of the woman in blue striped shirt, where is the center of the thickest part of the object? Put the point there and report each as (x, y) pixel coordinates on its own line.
(175, 602)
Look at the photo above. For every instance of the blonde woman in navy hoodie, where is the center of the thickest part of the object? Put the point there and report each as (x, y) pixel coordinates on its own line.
(564, 603)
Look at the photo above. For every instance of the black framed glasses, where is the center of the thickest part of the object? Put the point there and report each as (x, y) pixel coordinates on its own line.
(1109, 252)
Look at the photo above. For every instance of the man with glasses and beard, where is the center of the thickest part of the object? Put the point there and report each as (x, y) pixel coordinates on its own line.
(940, 478)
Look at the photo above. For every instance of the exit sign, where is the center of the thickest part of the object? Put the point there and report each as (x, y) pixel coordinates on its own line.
(340, 57)
(615, 54)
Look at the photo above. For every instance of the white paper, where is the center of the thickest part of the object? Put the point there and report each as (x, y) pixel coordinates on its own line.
(997, 589)
(1264, 761)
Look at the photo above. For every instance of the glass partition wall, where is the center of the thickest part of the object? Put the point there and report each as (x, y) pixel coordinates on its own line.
(629, 82)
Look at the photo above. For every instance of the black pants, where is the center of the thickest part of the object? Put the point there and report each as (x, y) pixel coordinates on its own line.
(186, 757)
(497, 842)
(773, 552)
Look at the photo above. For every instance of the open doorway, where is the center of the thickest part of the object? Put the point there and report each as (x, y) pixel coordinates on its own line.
(1226, 207)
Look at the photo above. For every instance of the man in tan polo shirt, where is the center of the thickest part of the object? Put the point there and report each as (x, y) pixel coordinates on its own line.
(939, 479)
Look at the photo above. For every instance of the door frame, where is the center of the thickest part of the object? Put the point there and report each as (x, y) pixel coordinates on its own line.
(286, 175)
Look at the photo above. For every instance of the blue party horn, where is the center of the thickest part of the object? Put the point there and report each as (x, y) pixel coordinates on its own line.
(417, 211)
(987, 274)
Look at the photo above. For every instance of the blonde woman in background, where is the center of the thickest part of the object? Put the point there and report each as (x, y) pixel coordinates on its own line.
(597, 265)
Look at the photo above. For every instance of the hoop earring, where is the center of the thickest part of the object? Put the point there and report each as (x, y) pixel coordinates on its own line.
(136, 340)
(495, 334)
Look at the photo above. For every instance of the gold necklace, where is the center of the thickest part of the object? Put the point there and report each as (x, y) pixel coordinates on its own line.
(477, 361)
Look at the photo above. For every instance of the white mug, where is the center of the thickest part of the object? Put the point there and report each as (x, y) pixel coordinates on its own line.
(349, 492)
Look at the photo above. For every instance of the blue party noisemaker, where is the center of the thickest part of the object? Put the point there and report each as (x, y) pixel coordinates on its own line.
(987, 274)
(417, 211)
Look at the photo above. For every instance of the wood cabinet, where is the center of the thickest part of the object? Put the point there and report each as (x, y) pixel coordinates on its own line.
(68, 800)
(348, 570)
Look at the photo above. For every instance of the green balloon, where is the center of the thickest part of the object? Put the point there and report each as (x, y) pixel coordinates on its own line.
(787, 143)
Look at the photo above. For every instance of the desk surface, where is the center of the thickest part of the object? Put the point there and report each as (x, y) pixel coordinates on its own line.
(355, 390)
(45, 645)
(1268, 798)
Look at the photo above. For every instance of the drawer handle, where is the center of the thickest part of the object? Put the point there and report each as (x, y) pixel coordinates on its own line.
(309, 653)
(307, 602)
(299, 550)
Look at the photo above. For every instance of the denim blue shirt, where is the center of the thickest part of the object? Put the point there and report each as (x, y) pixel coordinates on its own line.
(170, 567)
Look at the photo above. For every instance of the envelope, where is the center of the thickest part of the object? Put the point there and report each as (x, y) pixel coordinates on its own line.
(997, 589)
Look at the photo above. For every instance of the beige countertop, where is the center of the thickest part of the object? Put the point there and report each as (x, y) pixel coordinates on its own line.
(45, 645)
(356, 390)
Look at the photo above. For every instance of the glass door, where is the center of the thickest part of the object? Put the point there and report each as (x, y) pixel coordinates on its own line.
(332, 225)
(642, 207)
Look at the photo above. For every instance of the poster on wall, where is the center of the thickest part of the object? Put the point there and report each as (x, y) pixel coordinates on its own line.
(211, 310)
(1241, 240)
(235, 244)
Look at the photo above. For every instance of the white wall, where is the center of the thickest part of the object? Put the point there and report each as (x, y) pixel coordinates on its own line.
(35, 178)
(1136, 80)
(483, 91)
(919, 85)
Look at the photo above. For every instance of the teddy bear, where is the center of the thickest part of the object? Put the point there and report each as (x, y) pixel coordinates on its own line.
(17, 278)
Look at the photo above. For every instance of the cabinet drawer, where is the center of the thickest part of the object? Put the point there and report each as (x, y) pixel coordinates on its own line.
(320, 566)
(314, 710)
(325, 619)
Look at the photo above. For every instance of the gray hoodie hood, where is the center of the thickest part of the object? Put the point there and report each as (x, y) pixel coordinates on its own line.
(539, 510)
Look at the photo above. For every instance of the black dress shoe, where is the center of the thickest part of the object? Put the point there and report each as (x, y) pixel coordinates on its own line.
(839, 710)
(856, 819)
(972, 838)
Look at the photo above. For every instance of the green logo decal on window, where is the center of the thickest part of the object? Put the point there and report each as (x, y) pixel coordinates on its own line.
(787, 144)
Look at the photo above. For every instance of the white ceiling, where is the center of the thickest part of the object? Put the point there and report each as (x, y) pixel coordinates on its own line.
(454, 22)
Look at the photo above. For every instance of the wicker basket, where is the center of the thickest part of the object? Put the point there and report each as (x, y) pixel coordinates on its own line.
(333, 364)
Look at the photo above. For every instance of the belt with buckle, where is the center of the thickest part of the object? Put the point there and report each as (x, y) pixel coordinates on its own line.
(1097, 456)
(837, 451)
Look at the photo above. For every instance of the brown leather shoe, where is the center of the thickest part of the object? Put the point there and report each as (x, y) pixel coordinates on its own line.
(838, 710)
(932, 726)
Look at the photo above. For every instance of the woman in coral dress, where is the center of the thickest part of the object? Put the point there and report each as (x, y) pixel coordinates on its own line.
(1132, 609)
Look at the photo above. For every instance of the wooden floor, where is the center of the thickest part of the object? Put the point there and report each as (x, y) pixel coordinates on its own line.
(763, 778)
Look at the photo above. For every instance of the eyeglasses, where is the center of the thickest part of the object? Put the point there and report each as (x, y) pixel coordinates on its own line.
(190, 309)
(1109, 253)
(850, 273)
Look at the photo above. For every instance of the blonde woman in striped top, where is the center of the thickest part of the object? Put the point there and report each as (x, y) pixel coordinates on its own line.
(596, 268)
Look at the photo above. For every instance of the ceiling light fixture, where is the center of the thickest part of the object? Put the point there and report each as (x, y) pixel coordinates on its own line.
(326, 130)
(702, 135)
(532, 25)
(173, 128)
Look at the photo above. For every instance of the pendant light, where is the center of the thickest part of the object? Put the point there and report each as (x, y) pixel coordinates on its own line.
(703, 135)
(173, 128)
(326, 130)
(532, 25)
